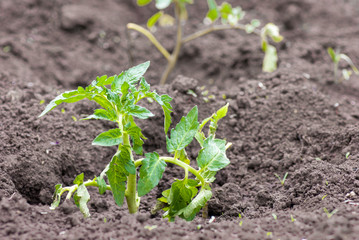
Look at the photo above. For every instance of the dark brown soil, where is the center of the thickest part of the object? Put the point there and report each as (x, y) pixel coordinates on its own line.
(300, 122)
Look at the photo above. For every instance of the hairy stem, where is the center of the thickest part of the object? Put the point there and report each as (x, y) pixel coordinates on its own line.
(185, 166)
(131, 191)
(174, 56)
(152, 39)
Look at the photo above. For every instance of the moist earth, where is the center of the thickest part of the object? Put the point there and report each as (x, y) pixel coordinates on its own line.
(296, 120)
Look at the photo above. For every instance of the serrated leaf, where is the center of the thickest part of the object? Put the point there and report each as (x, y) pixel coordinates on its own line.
(221, 113)
(180, 196)
(153, 20)
(130, 76)
(143, 2)
(150, 173)
(102, 114)
(111, 137)
(209, 176)
(56, 197)
(188, 213)
(81, 197)
(136, 136)
(66, 97)
(79, 179)
(117, 175)
(184, 132)
(270, 59)
(213, 155)
(162, 4)
(139, 112)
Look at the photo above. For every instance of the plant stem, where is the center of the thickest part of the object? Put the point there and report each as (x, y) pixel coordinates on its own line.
(88, 183)
(152, 39)
(178, 163)
(174, 56)
(131, 191)
(214, 28)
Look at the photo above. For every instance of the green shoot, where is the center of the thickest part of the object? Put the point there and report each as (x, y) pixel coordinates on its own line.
(347, 155)
(120, 104)
(150, 228)
(324, 197)
(330, 214)
(292, 218)
(274, 216)
(336, 56)
(269, 234)
(282, 180)
(218, 18)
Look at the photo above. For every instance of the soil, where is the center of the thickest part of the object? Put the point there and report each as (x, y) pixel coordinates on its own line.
(296, 120)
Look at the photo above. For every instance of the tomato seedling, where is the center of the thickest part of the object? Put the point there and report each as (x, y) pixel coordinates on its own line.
(336, 56)
(119, 103)
(229, 18)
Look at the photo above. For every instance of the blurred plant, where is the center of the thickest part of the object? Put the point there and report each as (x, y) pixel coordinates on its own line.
(282, 180)
(336, 56)
(229, 18)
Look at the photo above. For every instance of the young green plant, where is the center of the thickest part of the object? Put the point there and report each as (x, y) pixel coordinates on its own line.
(336, 56)
(282, 180)
(120, 104)
(229, 18)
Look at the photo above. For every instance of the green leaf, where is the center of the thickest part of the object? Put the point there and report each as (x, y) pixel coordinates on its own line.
(184, 132)
(213, 12)
(333, 55)
(221, 113)
(272, 31)
(102, 114)
(81, 197)
(225, 10)
(143, 2)
(79, 179)
(188, 213)
(66, 97)
(183, 157)
(102, 186)
(130, 76)
(136, 136)
(56, 197)
(139, 112)
(213, 155)
(270, 59)
(153, 20)
(350, 62)
(180, 196)
(150, 173)
(209, 176)
(117, 175)
(109, 138)
(162, 4)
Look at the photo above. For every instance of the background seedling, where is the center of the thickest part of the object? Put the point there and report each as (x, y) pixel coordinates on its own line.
(347, 155)
(330, 214)
(282, 181)
(120, 104)
(292, 218)
(274, 216)
(228, 17)
(336, 56)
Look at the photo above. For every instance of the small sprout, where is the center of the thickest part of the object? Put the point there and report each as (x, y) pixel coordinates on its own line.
(330, 214)
(318, 159)
(205, 99)
(150, 227)
(42, 102)
(105, 220)
(326, 182)
(347, 155)
(63, 110)
(6, 49)
(191, 92)
(212, 97)
(199, 226)
(274, 216)
(292, 218)
(74, 118)
(336, 56)
(204, 93)
(324, 197)
(240, 223)
(269, 234)
(282, 181)
(224, 96)
(239, 215)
